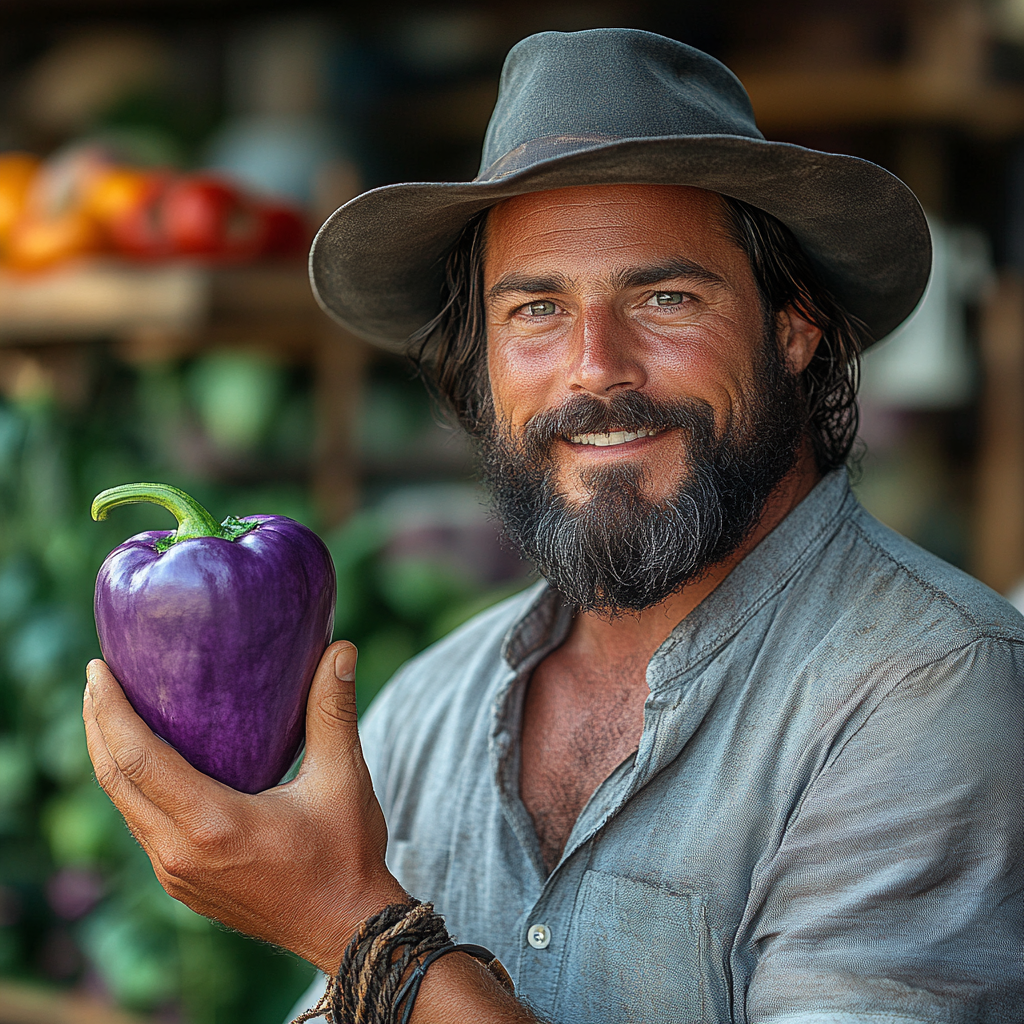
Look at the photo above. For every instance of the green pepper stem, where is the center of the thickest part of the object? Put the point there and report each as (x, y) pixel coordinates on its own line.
(193, 520)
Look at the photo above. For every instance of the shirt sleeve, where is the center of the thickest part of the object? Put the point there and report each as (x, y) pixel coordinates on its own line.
(896, 893)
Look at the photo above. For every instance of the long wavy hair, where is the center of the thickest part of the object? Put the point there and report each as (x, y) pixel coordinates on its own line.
(450, 351)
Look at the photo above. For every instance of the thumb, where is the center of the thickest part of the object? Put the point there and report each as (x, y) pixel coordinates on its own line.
(331, 708)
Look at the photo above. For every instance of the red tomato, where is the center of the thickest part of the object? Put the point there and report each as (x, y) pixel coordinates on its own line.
(206, 216)
(150, 215)
(286, 232)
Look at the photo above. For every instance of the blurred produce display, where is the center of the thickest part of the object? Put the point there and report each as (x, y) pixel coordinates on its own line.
(84, 202)
(145, 172)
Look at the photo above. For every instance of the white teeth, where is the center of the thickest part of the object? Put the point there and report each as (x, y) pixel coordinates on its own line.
(613, 438)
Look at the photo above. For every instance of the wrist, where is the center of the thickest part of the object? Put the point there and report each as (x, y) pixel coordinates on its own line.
(393, 952)
(479, 956)
(461, 988)
(348, 912)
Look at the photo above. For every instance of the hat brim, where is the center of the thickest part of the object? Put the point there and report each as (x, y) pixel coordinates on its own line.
(377, 264)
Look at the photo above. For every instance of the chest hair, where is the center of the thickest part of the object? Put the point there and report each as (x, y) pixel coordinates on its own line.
(579, 722)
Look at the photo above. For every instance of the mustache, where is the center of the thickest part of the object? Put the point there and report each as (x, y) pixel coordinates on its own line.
(626, 410)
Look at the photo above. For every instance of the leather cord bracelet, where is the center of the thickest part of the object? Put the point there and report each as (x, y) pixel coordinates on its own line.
(411, 989)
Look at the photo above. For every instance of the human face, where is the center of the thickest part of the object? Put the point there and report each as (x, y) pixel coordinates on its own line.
(598, 290)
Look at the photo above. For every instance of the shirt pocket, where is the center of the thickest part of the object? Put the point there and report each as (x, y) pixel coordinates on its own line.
(634, 955)
(421, 868)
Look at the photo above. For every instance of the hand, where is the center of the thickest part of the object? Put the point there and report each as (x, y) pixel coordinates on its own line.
(299, 865)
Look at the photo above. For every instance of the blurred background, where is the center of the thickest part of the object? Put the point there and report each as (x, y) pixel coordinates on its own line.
(163, 166)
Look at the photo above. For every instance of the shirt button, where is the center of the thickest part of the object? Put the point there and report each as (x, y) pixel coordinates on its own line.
(538, 936)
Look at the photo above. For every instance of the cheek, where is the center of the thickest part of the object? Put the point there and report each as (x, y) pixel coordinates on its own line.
(712, 372)
(522, 381)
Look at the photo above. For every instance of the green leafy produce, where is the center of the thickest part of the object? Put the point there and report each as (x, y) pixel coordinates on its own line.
(78, 899)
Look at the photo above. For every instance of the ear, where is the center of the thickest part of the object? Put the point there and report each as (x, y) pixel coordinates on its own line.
(798, 339)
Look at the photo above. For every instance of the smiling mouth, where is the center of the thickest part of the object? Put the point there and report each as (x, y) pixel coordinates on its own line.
(611, 438)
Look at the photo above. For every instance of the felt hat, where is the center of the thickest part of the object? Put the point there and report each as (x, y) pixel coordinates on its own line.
(617, 106)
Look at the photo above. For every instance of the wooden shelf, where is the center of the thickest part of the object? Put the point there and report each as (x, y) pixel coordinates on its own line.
(785, 101)
(97, 300)
(112, 299)
(800, 100)
(168, 311)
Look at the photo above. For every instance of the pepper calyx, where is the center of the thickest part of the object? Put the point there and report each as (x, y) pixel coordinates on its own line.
(232, 528)
(194, 521)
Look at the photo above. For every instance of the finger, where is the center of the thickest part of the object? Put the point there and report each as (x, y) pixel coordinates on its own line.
(331, 732)
(152, 829)
(138, 812)
(154, 769)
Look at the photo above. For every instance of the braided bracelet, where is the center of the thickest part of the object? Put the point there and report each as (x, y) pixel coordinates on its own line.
(368, 988)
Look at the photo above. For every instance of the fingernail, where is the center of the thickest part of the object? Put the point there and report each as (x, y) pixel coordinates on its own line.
(344, 669)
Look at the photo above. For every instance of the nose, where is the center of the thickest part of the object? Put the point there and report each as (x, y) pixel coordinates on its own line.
(603, 356)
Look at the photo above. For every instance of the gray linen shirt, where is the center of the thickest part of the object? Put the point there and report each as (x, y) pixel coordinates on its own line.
(822, 822)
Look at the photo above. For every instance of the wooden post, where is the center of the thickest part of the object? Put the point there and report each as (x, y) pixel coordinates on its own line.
(339, 364)
(999, 515)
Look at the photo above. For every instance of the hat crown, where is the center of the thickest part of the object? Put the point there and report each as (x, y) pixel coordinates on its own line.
(611, 107)
(564, 91)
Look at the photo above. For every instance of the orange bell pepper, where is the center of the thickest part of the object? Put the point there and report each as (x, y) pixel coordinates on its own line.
(37, 243)
(16, 173)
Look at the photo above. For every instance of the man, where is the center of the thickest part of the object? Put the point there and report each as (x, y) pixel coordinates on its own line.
(746, 754)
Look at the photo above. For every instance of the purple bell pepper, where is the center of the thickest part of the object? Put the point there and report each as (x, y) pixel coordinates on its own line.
(215, 630)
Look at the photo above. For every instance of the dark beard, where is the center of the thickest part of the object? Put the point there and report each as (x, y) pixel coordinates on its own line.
(620, 551)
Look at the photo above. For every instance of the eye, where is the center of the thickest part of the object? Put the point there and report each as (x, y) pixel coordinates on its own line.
(543, 307)
(666, 299)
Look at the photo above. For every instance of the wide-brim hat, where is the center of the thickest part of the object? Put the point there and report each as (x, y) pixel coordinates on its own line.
(621, 106)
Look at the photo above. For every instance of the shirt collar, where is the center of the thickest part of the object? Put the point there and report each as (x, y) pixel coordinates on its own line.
(775, 560)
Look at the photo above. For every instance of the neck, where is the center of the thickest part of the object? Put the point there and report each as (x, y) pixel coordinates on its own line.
(642, 633)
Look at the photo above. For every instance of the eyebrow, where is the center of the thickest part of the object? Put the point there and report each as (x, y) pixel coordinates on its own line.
(530, 285)
(629, 277)
(638, 277)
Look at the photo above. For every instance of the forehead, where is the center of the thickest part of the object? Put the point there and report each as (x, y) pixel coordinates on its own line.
(603, 225)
